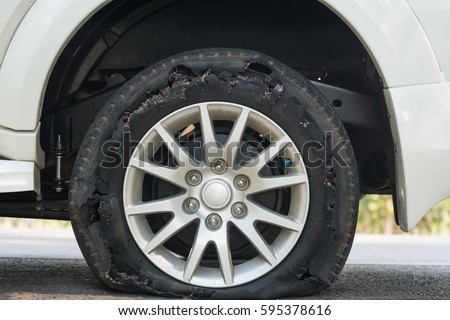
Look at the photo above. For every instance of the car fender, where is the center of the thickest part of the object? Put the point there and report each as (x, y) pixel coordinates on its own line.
(33, 51)
(417, 98)
(11, 14)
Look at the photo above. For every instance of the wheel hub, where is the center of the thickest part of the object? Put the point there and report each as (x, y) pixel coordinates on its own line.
(216, 194)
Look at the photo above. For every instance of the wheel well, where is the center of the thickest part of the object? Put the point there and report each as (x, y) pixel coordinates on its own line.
(127, 36)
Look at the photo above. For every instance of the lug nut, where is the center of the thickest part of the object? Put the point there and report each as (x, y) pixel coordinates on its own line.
(214, 221)
(191, 205)
(219, 166)
(241, 183)
(238, 210)
(194, 178)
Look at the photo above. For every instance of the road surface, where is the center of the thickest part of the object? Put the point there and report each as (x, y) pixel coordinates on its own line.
(47, 264)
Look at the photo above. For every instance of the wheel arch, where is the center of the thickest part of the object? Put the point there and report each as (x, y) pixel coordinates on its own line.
(32, 53)
(381, 26)
(49, 40)
(369, 20)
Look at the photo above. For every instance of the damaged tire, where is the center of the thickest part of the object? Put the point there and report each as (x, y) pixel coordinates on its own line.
(218, 173)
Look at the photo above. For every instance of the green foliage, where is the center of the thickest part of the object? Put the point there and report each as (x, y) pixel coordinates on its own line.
(33, 223)
(376, 216)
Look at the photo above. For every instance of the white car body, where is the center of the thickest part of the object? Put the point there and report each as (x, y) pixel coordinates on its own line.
(406, 39)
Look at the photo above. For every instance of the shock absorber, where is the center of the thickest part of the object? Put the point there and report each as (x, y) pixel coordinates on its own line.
(60, 148)
(58, 181)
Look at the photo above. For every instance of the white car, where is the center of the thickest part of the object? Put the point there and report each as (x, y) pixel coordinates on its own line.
(218, 149)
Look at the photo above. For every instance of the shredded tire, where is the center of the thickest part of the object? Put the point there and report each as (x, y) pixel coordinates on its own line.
(231, 75)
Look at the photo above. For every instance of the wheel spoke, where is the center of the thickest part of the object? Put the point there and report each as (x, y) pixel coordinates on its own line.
(232, 145)
(174, 176)
(208, 136)
(262, 214)
(266, 184)
(258, 242)
(173, 227)
(195, 256)
(170, 204)
(265, 156)
(183, 158)
(224, 253)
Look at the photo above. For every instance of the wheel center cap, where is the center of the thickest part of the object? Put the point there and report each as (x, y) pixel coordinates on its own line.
(216, 194)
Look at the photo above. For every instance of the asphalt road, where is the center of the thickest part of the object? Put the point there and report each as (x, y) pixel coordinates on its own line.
(47, 264)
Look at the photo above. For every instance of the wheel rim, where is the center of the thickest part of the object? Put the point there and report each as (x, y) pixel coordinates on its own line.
(216, 196)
